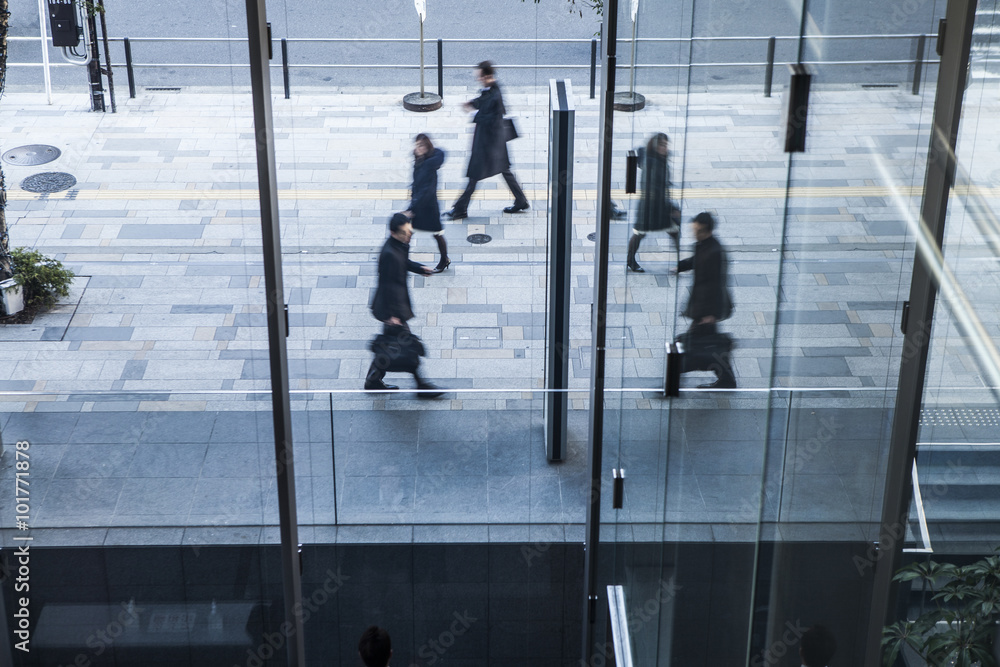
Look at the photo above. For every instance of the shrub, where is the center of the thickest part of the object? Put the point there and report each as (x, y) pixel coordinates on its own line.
(42, 279)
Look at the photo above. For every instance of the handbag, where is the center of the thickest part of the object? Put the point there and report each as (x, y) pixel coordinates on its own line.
(509, 129)
(397, 350)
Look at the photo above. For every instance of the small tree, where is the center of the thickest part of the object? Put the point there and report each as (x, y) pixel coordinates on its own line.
(42, 279)
(959, 630)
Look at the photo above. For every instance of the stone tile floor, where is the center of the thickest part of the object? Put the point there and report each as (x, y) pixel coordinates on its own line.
(162, 231)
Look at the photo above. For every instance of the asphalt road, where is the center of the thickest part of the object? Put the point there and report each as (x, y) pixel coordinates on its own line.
(490, 22)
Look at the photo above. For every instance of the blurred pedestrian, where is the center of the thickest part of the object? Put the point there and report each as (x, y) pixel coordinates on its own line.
(655, 211)
(489, 145)
(424, 210)
(375, 647)
(397, 349)
(705, 348)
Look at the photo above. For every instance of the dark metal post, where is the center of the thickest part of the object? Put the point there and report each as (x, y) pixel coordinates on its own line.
(94, 67)
(916, 343)
(599, 326)
(593, 66)
(440, 68)
(562, 116)
(918, 64)
(128, 68)
(107, 57)
(769, 71)
(277, 330)
(284, 68)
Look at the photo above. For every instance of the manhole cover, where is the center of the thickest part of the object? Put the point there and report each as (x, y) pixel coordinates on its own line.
(592, 237)
(479, 239)
(31, 156)
(50, 181)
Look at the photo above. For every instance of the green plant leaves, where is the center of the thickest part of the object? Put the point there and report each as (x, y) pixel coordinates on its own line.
(41, 278)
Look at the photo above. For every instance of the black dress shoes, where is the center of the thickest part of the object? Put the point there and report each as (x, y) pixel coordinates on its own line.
(455, 215)
(442, 266)
(634, 267)
(427, 393)
(517, 208)
(719, 384)
(378, 385)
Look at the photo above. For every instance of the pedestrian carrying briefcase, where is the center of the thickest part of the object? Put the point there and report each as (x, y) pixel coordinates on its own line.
(397, 350)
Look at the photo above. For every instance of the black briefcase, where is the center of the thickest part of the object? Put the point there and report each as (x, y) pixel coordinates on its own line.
(704, 352)
(397, 350)
(509, 129)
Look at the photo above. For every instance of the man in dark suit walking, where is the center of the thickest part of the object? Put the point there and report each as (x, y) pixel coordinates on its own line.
(709, 303)
(391, 303)
(489, 145)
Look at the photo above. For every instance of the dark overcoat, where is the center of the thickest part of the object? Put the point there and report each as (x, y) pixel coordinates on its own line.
(709, 293)
(489, 144)
(655, 212)
(392, 296)
(424, 195)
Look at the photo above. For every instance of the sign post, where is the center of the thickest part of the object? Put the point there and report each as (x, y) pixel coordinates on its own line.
(422, 101)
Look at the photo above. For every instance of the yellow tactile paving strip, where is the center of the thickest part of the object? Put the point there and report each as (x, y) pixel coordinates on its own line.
(499, 194)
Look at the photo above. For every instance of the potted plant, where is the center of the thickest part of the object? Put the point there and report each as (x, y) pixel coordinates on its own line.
(37, 281)
(961, 629)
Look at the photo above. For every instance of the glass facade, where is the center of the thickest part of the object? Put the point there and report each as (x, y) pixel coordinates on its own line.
(731, 516)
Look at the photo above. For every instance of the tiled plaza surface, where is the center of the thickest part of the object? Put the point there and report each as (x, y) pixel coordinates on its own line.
(162, 231)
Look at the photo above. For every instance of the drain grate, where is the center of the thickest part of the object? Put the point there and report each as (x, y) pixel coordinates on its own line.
(50, 181)
(960, 417)
(592, 237)
(479, 239)
(880, 85)
(164, 90)
(32, 155)
(478, 338)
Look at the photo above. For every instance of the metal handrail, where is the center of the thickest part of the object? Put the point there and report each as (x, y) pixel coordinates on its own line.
(917, 62)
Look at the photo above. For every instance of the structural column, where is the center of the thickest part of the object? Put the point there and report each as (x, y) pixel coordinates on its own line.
(605, 126)
(277, 329)
(938, 181)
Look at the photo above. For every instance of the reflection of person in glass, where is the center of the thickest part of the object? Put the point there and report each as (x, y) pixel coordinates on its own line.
(705, 347)
(489, 145)
(424, 210)
(655, 212)
(817, 647)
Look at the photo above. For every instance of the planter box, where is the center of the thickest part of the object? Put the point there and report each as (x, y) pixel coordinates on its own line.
(11, 297)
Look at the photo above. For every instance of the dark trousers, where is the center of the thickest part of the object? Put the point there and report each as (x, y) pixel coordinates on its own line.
(462, 205)
(375, 372)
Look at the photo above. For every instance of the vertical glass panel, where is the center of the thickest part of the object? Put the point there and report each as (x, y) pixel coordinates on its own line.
(958, 451)
(846, 261)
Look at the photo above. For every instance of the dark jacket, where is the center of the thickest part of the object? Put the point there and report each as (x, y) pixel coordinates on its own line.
(489, 146)
(392, 296)
(709, 294)
(424, 199)
(655, 211)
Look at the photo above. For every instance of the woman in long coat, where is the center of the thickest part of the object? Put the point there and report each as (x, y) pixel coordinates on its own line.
(425, 213)
(655, 212)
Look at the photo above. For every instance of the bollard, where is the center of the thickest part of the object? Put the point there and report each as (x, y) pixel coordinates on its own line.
(440, 69)
(128, 68)
(769, 72)
(593, 66)
(284, 68)
(918, 64)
